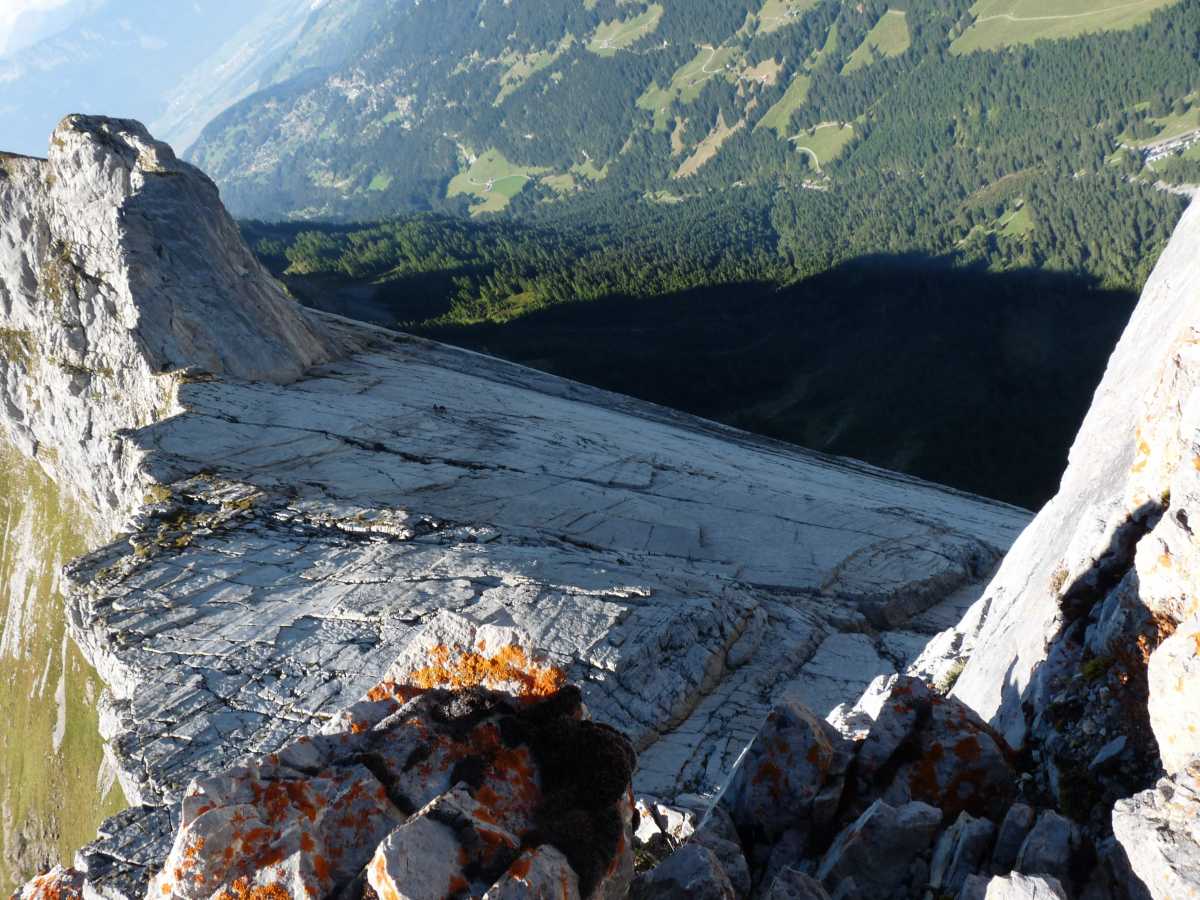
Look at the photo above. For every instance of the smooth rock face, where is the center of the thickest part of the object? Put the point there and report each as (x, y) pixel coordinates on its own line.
(119, 272)
(1159, 830)
(1133, 447)
(296, 526)
(959, 852)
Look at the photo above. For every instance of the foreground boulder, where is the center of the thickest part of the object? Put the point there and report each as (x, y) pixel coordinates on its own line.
(1160, 832)
(435, 785)
(792, 776)
(923, 746)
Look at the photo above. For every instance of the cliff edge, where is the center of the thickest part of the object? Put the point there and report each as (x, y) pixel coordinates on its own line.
(303, 496)
(121, 275)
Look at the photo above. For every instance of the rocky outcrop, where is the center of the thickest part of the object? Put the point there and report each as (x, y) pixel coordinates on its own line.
(1115, 541)
(303, 509)
(1160, 831)
(121, 276)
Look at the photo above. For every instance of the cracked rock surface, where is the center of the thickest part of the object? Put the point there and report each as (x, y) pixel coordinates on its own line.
(302, 494)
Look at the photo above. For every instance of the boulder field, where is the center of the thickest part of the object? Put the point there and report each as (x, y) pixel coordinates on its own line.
(382, 618)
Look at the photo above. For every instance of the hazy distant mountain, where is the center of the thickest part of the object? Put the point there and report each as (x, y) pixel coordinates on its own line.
(175, 64)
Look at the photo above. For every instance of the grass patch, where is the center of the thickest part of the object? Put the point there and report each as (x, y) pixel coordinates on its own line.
(825, 142)
(779, 115)
(775, 14)
(1005, 23)
(887, 37)
(520, 67)
(51, 753)
(708, 147)
(612, 37)
(493, 181)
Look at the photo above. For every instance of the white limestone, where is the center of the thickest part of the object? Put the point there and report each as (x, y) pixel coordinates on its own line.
(685, 574)
(1138, 436)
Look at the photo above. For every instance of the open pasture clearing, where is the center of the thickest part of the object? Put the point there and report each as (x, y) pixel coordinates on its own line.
(1005, 23)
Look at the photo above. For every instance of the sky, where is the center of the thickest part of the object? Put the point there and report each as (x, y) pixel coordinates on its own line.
(12, 10)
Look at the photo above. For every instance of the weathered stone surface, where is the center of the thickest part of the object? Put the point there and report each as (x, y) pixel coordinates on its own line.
(539, 874)
(1050, 847)
(119, 272)
(875, 851)
(57, 884)
(791, 884)
(1017, 824)
(792, 776)
(854, 721)
(692, 871)
(1134, 443)
(960, 852)
(1024, 887)
(1174, 705)
(434, 785)
(294, 526)
(944, 754)
(1159, 830)
(733, 861)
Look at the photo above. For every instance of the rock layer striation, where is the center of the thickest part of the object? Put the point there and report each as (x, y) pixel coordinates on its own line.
(304, 496)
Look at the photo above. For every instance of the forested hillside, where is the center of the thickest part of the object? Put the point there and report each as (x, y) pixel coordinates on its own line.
(852, 128)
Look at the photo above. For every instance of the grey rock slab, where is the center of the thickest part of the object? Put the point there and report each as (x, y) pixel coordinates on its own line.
(303, 492)
(960, 852)
(1024, 887)
(791, 884)
(877, 848)
(1015, 827)
(1123, 462)
(1049, 847)
(692, 871)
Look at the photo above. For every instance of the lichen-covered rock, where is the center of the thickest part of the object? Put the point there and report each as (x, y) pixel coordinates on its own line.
(931, 748)
(542, 873)
(792, 776)
(1174, 705)
(431, 786)
(877, 848)
(58, 884)
(1159, 830)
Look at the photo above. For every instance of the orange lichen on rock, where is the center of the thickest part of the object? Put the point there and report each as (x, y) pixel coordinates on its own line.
(242, 889)
(458, 669)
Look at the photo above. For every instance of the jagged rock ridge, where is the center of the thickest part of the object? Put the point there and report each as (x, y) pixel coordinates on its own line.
(299, 528)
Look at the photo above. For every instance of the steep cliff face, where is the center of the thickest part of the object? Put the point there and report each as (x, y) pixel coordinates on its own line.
(1118, 530)
(120, 276)
(297, 523)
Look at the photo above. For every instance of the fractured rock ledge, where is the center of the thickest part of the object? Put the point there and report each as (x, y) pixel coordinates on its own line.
(294, 530)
